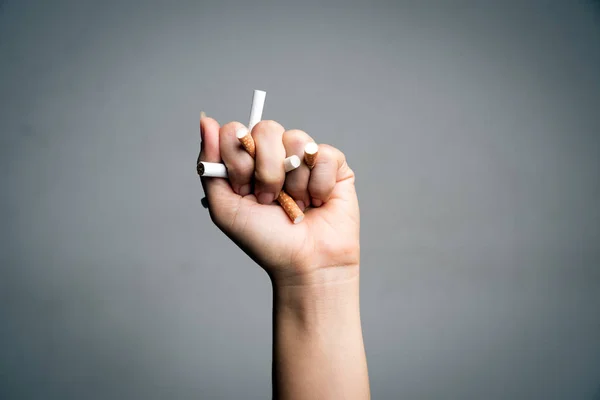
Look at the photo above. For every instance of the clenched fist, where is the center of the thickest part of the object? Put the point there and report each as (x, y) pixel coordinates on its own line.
(324, 247)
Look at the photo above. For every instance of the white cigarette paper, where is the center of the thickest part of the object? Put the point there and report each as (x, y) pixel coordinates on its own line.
(212, 170)
(291, 163)
(218, 170)
(256, 110)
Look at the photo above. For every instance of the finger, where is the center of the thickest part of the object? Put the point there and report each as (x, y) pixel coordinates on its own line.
(240, 165)
(222, 201)
(324, 174)
(209, 140)
(269, 171)
(296, 181)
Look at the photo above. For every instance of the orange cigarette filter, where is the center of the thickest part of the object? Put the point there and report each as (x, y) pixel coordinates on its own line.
(290, 207)
(245, 138)
(310, 154)
(285, 200)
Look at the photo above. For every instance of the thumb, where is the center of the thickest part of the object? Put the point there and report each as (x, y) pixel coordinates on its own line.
(223, 202)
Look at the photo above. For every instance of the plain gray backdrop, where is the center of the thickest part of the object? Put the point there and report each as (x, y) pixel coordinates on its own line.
(474, 131)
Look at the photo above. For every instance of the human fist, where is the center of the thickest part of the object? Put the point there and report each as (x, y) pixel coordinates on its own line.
(325, 245)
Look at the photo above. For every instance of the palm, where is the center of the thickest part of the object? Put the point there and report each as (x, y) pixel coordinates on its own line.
(328, 235)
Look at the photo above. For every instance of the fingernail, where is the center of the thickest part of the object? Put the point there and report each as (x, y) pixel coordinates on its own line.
(266, 198)
(317, 203)
(301, 204)
(201, 130)
(245, 190)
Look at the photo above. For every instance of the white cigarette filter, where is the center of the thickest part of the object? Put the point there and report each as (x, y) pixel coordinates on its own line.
(218, 170)
(256, 110)
(310, 154)
(246, 140)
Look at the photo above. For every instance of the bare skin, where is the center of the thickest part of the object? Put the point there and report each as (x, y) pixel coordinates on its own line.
(318, 349)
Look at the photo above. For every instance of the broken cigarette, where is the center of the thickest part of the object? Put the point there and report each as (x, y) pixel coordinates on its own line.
(310, 154)
(211, 170)
(287, 203)
(246, 140)
(218, 170)
(257, 107)
(291, 163)
(290, 207)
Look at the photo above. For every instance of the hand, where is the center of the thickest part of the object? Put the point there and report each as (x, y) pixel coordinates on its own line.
(321, 248)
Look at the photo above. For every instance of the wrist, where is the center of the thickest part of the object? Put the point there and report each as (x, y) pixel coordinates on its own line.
(329, 291)
(316, 278)
(317, 340)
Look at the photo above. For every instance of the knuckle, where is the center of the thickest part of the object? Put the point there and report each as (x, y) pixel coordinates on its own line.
(295, 140)
(321, 191)
(332, 154)
(329, 150)
(240, 167)
(230, 127)
(267, 127)
(298, 193)
(296, 189)
(296, 136)
(325, 160)
(269, 176)
(326, 150)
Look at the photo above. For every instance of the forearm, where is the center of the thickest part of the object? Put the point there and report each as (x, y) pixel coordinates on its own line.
(318, 350)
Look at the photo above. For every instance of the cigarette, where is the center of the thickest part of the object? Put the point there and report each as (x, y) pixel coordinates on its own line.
(212, 170)
(287, 203)
(256, 110)
(291, 163)
(290, 207)
(310, 154)
(247, 141)
(218, 170)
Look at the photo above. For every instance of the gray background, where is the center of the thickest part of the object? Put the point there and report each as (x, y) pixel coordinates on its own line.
(473, 128)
